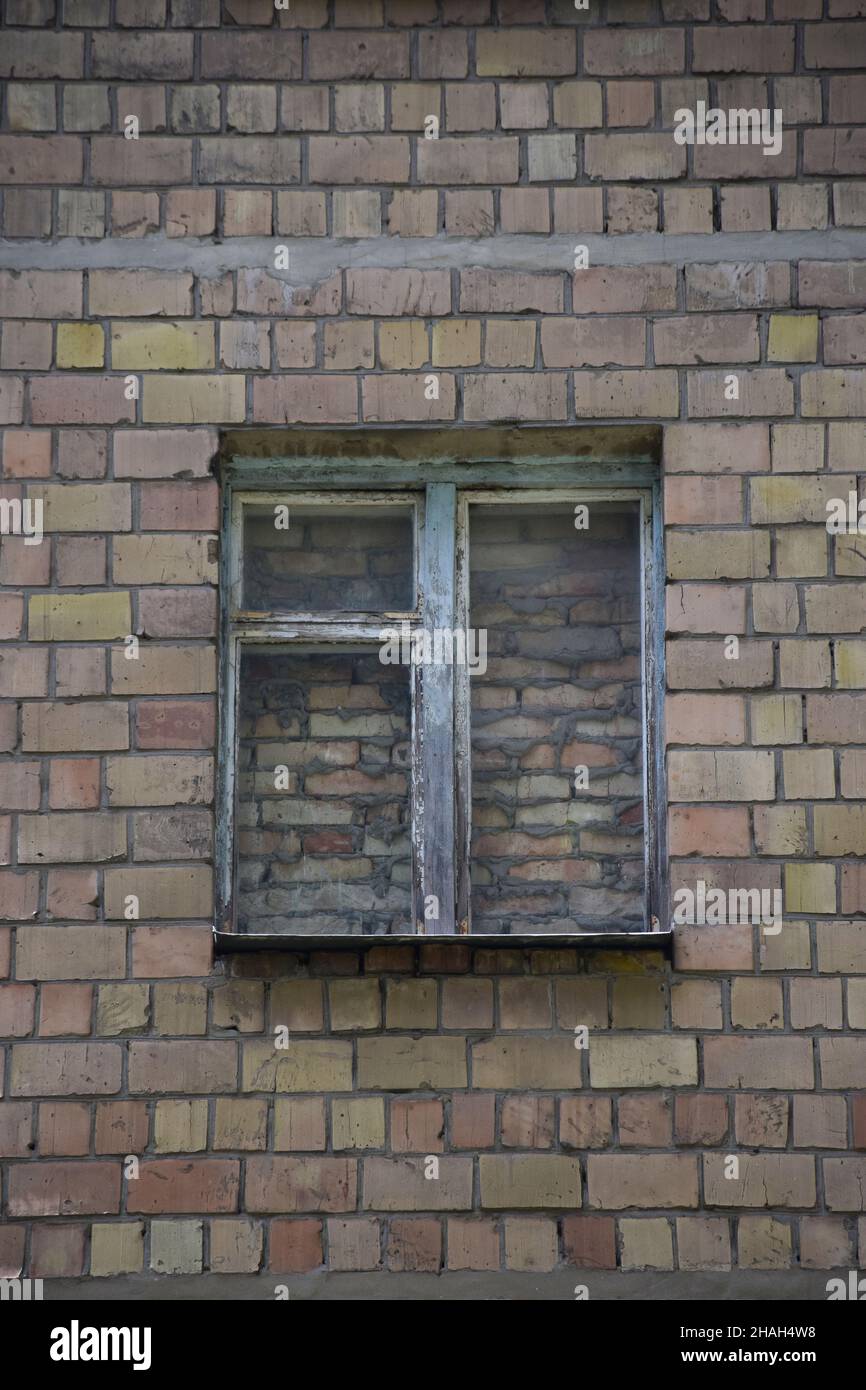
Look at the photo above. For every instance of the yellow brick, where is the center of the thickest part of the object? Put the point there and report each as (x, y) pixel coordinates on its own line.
(116, 1248)
(804, 664)
(840, 829)
(84, 506)
(122, 1008)
(647, 1244)
(810, 888)
(801, 552)
(457, 343)
(180, 1126)
(790, 498)
(793, 338)
(79, 617)
(80, 345)
(172, 670)
(780, 829)
(809, 773)
(162, 346)
(194, 400)
(850, 559)
(850, 658)
(172, 893)
(307, 1065)
(355, 1004)
(777, 719)
(358, 1124)
(403, 346)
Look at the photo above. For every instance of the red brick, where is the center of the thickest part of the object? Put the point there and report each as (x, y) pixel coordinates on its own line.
(175, 724)
(57, 1252)
(41, 159)
(186, 506)
(64, 1129)
(65, 1009)
(63, 1189)
(295, 1246)
(589, 1241)
(185, 1185)
(300, 1184)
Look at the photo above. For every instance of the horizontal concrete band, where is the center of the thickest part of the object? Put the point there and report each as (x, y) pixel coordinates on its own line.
(313, 259)
(652, 1286)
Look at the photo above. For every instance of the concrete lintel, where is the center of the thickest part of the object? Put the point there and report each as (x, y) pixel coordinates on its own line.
(314, 259)
(465, 445)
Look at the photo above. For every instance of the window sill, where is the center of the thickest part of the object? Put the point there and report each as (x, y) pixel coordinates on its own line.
(229, 943)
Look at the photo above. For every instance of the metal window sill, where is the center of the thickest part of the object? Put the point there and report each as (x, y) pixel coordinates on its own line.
(228, 943)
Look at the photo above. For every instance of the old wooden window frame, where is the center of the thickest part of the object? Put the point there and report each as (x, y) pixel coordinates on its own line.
(441, 782)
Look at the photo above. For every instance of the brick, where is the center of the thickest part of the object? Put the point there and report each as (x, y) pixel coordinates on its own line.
(703, 1243)
(156, 1067)
(388, 398)
(58, 727)
(636, 393)
(121, 1127)
(57, 1252)
(769, 1063)
(49, 159)
(180, 1126)
(116, 161)
(618, 1181)
(530, 53)
(185, 1185)
(45, 1069)
(235, 1246)
(193, 399)
(68, 1189)
(361, 159)
(293, 400)
(162, 346)
(300, 1184)
(176, 1247)
(709, 338)
(161, 57)
(140, 293)
(305, 1066)
(630, 53)
(89, 836)
(175, 724)
(820, 1121)
(633, 156)
(624, 289)
(164, 559)
(591, 342)
(407, 1063)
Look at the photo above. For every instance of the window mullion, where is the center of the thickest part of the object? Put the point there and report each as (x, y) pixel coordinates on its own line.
(437, 840)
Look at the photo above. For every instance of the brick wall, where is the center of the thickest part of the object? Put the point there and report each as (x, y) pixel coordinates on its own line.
(142, 311)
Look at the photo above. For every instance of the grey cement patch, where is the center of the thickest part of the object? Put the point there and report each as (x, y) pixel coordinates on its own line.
(789, 1286)
(313, 259)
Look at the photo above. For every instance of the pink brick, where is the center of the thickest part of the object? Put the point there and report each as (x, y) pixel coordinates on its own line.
(186, 506)
(175, 724)
(305, 400)
(80, 400)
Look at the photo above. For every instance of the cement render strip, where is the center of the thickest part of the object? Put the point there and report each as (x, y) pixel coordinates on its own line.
(797, 1286)
(313, 259)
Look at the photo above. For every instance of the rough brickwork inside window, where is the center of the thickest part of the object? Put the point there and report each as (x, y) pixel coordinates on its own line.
(556, 718)
(328, 558)
(323, 793)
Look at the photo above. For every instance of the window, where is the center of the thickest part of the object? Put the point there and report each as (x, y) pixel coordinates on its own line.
(439, 708)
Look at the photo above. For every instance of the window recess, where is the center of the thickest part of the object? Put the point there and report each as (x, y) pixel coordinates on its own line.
(439, 709)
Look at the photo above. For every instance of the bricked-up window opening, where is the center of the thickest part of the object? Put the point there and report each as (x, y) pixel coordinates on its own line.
(435, 712)
(323, 792)
(557, 742)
